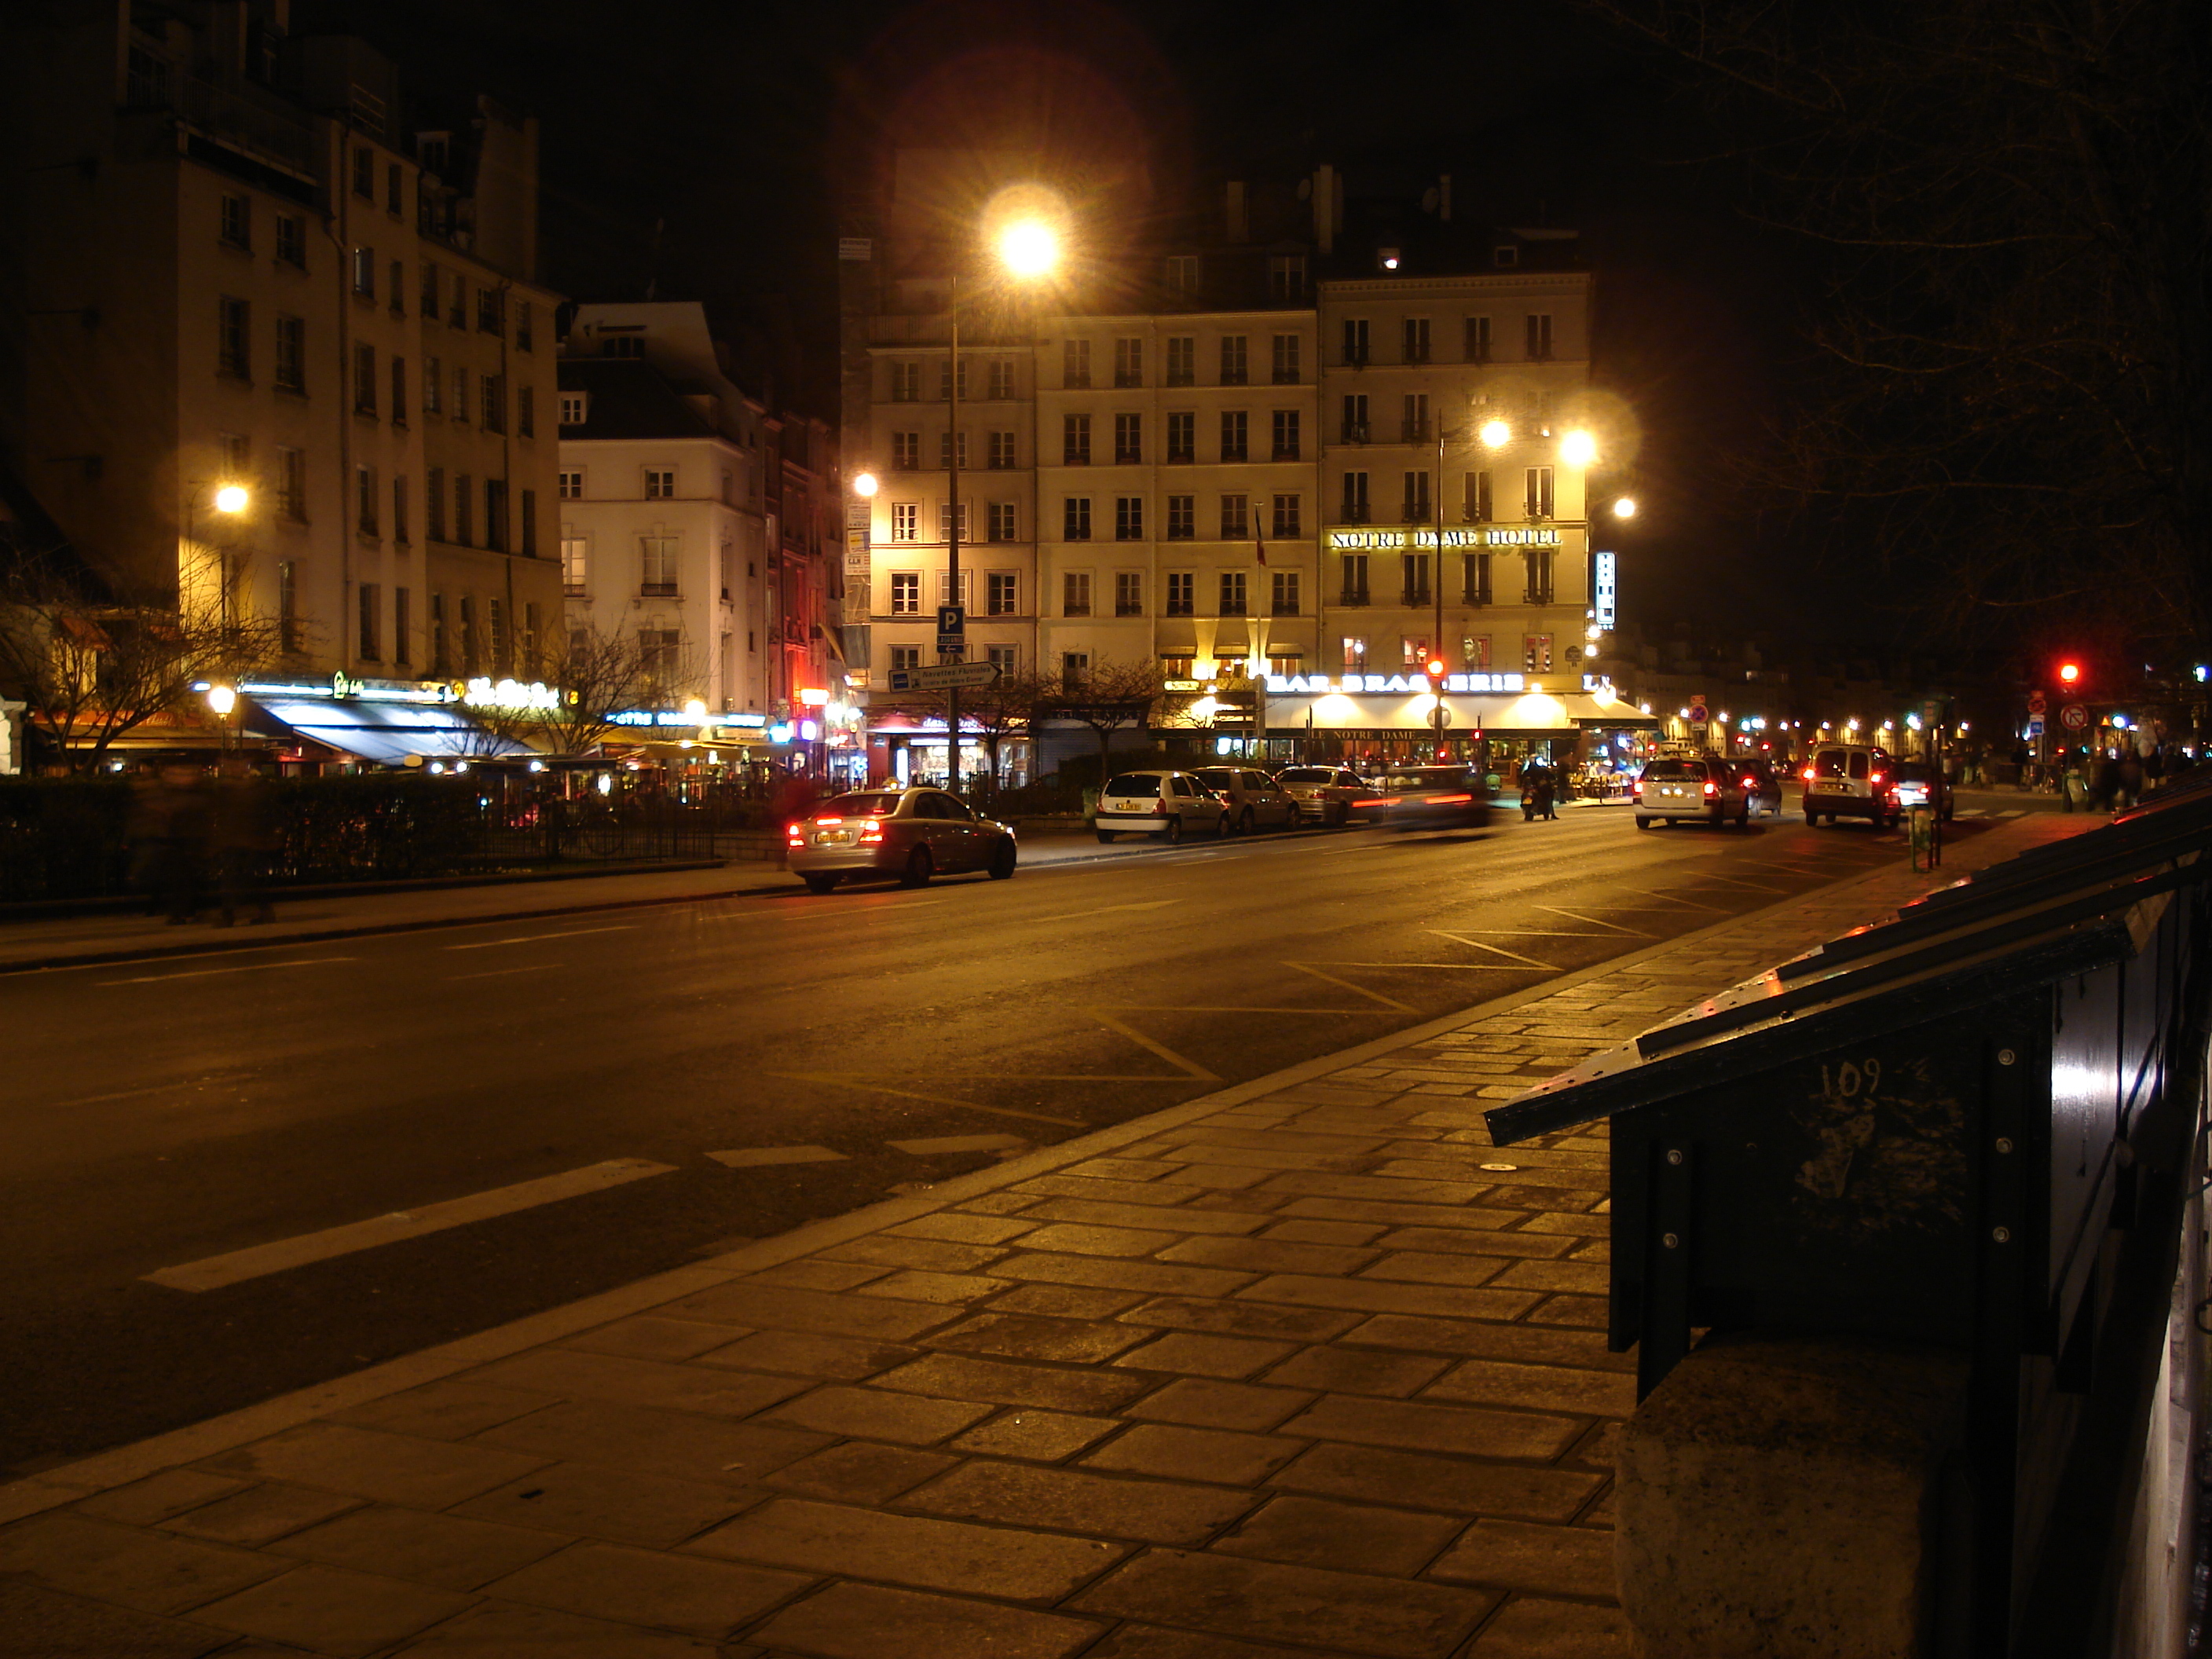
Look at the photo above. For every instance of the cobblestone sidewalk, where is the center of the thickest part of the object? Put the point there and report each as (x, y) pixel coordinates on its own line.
(1307, 1368)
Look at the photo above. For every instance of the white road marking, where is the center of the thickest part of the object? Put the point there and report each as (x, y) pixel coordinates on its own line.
(204, 973)
(961, 1144)
(501, 973)
(534, 939)
(1106, 910)
(260, 1260)
(746, 1158)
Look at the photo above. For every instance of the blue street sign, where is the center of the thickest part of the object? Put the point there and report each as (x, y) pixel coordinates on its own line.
(951, 620)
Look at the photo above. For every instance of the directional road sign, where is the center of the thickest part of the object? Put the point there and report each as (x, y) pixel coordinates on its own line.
(2075, 717)
(940, 677)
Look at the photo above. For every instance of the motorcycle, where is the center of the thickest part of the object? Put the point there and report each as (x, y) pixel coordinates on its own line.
(1537, 798)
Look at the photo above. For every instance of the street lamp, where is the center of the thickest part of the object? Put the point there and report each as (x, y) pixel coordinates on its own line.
(1495, 436)
(1624, 508)
(230, 499)
(865, 485)
(1578, 449)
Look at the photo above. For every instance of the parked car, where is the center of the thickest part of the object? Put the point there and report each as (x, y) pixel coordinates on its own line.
(1323, 794)
(910, 834)
(1169, 805)
(1670, 791)
(1922, 783)
(1762, 788)
(1426, 797)
(1255, 799)
(1850, 780)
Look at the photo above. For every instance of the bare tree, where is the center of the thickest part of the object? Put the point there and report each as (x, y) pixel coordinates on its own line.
(597, 676)
(1004, 710)
(2011, 208)
(1107, 696)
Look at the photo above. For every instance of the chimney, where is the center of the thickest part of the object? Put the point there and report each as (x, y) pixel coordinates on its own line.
(1324, 207)
(1239, 226)
(1443, 198)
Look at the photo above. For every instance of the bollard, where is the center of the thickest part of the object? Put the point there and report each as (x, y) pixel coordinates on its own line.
(1920, 827)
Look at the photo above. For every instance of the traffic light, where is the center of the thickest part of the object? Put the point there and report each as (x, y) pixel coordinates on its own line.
(2069, 674)
(1436, 672)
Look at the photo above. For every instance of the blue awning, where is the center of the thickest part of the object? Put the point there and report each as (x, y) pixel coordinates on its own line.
(388, 732)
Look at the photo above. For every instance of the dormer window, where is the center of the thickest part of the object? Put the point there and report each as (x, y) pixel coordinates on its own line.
(1505, 255)
(574, 407)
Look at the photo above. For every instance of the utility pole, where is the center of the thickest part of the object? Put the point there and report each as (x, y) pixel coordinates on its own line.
(952, 548)
(1436, 583)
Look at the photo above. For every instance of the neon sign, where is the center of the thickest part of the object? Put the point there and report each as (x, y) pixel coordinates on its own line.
(1370, 541)
(1321, 686)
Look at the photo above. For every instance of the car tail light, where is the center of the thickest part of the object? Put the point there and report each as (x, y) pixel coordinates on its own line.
(1449, 800)
(1809, 775)
(796, 835)
(1711, 788)
(1874, 778)
(870, 834)
(1371, 803)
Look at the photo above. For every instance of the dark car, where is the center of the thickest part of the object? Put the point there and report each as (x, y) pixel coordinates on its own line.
(911, 834)
(1762, 788)
(1425, 797)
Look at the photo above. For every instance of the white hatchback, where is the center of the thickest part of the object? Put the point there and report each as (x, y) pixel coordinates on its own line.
(1169, 805)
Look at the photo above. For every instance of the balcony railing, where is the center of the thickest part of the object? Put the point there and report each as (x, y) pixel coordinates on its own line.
(1415, 431)
(657, 590)
(1354, 593)
(1286, 452)
(1414, 598)
(1352, 432)
(1355, 512)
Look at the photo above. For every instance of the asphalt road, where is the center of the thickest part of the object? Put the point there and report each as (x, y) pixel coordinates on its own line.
(155, 1116)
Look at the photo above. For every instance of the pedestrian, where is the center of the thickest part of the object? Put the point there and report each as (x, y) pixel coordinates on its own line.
(2108, 781)
(142, 834)
(241, 841)
(2130, 777)
(180, 845)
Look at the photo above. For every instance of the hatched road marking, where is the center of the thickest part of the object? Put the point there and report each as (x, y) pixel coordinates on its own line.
(260, 1260)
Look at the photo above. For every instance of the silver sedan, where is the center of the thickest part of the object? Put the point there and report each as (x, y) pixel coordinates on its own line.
(910, 834)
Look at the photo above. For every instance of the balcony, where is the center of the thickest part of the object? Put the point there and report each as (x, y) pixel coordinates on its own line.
(1415, 598)
(1288, 377)
(1352, 432)
(1413, 513)
(1286, 452)
(1414, 431)
(1355, 512)
(657, 590)
(1354, 593)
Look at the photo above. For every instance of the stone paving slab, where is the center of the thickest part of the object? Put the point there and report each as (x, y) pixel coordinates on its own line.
(1353, 1400)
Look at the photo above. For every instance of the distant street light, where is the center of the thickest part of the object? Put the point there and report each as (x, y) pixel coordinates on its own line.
(1028, 248)
(231, 498)
(865, 485)
(1495, 434)
(221, 700)
(1624, 508)
(1578, 449)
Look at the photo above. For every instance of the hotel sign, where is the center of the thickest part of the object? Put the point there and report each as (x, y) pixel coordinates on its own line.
(1475, 540)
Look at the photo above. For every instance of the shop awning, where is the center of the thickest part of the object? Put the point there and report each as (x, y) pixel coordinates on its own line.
(1501, 715)
(388, 732)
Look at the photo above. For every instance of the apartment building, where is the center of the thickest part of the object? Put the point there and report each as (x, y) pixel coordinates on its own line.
(245, 261)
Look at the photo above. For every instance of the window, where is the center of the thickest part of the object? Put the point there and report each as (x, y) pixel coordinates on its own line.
(529, 549)
(1413, 504)
(1413, 578)
(291, 363)
(1000, 456)
(1176, 665)
(657, 563)
(1355, 655)
(491, 389)
(1004, 658)
(287, 605)
(1182, 273)
(234, 338)
(1356, 509)
(576, 561)
(945, 586)
(1000, 524)
(1001, 589)
(1075, 593)
(434, 504)
(1477, 498)
(1000, 378)
(1536, 575)
(525, 412)
(440, 657)
(292, 240)
(1233, 371)
(1286, 435)
(399, 509)
(457, 310)
(1073, 666)
(1478, 339)
(1128, 518)
(292, 484)
(906, 452)
(1289, 515)
(1539, 492)
(460, 394)
(396, 286)
(364, 272)
(491, 317)
(400, 391)
(1236, 517)
(364, 173)
(1128, 362)
(1129, 593)
(1286, 360)
(945, 379)
(1355, 341)
(1182, 518)
(905, 383)
(371, 644)
(947, 444)
(658, 650)
(1477, 652)
(906, 592)
(464, 528)
(1414, 418)
(1540, 336)
(906, 521)
(1182, 436)
(1354, 589)
(571, 486)
(659, 483)
(526, 327)
(429, 304)
(1075, 362)
(1233, 592)
(1234, 428)
(1286, 585)
(471, 646)
(1537, 653)
(945, 520)
(1474, 573)
(364, 379)
(496, 526)
(1182, 586)
(529, 640)
(236, 221)
(1183, 360)
(1353, 428)
(402, 625)
(364, 499)
(1075, 440)
(1129, 439)
(905, 657)
(1286, 276)
(1416, 339)
(571, 409)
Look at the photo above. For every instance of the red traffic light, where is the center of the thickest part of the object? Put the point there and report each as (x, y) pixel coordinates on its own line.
(1436, 668)
(2069, 673)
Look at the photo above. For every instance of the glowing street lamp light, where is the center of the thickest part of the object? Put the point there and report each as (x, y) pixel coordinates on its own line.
(865, 485)
(1624, 508)
(1578, 449)
(1028, 248)
(231, 498)
(221, 700)
(1495, 434)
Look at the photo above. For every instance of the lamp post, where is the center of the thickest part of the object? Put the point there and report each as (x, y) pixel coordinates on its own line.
(229, 500)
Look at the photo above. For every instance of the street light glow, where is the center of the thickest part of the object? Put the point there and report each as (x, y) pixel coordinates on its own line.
(1624, 508)
(1028, 248)
(221, 700)
(1495, 433)
(1578, 449)
(864, 484)
(231, 498)
(695, 712)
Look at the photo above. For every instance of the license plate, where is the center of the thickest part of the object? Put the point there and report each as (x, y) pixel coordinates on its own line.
(1832, 788)
(1129, 806)
(832, 838)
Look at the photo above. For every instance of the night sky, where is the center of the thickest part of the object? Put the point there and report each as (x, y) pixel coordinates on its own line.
(703, 145)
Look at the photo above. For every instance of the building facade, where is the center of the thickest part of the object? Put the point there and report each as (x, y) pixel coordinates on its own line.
(248, 265)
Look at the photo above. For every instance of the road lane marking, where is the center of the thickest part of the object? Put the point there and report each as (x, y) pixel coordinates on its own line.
(1189, 1068)
(1611, 927)
(1358, 990)
(860, 1080)
(152, 1089)
(501, 973)
(934, 1145)
(534, 939)
(1497, 949)
(1209, 1008)
(256, 1261)
(747, 1157)
(1104, 910)
(205, 972)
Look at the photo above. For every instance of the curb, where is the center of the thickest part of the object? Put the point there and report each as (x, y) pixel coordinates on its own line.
(121, 1465)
